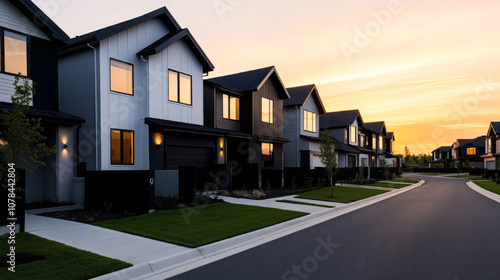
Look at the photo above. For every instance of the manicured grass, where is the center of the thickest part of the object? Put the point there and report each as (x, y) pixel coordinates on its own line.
(59, 261)
(340, 194)
(197, 226)
(389, 185)
(476, 178)
(304, 203)
(489, 186)
(405, 180)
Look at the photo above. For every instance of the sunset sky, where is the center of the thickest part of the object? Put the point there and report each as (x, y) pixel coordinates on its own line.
(429, 69)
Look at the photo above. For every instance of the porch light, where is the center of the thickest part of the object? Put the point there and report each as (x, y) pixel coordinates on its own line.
(158, 138)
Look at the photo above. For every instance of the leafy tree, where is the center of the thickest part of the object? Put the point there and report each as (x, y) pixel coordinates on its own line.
(328, 157)
(407, 151)
(23, 142)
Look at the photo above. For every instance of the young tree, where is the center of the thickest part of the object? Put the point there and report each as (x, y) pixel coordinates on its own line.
(328, 157)
(23, 142)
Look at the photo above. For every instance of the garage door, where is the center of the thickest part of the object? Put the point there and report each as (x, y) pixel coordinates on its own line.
(490, 165)
(184, 155)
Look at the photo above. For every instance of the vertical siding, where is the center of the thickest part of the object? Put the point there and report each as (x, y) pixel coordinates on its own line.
(208, 105)
(290, 132)
(13, 19)
(268, 90)
(221, 122)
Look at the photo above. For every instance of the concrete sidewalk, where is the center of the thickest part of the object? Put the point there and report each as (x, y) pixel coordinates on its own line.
(158, 260)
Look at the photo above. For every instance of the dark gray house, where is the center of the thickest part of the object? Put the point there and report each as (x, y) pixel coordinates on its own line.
(375, 136)
(441, 157)
(468, 150)
(301, 118)
(492, 148)
(29, 42)
(249, 105)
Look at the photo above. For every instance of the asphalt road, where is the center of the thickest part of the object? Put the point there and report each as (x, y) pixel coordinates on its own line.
(442, 230)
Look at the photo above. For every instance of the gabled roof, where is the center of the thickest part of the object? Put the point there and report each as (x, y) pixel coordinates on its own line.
(341, 147)
(250, 81)
(33, 13)
(173, 37)
(339, 119)
(494, 129)
(442, 149)
(479, 142)
(300, 94)
(109, 31)
(390, 135)
(376, 127)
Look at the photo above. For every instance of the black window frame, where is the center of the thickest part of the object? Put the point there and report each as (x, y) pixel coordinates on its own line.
(179, 88)
(121, 146)
(271, 110)
(270, 162)
(133, 83)
(315, 116)
(2, 52)
(229, 107)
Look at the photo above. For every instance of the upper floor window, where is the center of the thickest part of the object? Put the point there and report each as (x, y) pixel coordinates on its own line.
(122, 147)
(471, 151)
(179, 87)
(380, 143)
(361, 139)
(488, 148)
(267, 155)
(354, 134)
(15, 53)
(121, 77)
(267, 110)
(230, 107)
(310, 121)
(374, 142)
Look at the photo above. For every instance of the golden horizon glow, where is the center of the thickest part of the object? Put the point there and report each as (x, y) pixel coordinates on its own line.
(428, 69)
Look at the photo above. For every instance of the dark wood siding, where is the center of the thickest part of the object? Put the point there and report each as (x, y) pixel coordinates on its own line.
(221, 122)
(208, 105)
(43, 71)
(275, 129)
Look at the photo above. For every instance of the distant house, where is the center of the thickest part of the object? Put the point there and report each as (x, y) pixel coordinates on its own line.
(441, 157)
(492, 147)
(391, 159)
(468, 150)
(301, 117)
(345, 126)
(28, 45)
(249, 103)
(376, 134)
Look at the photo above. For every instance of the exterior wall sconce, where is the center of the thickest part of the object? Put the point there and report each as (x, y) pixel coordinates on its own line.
(158, 139)
(65, 146)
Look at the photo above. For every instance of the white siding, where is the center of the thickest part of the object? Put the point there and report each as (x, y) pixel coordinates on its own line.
(13, 19)
(122, 111)
(177, 57)
(7, 88)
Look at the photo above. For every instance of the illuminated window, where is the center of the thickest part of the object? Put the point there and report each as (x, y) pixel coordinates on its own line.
(361, 139)
(354, 134)
(471, 151)
(381, 143)
(122, 147)
(310, 121)
(267, 110)
(489, 146)
(267, 155)
(121, 77)
(374, 142)
(230, 107)
(15, 54)
(179, 87)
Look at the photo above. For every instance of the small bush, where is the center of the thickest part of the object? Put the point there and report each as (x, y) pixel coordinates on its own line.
(256, 194)
(293, 184)
(308, 183)
(240, 193)
(321, 183)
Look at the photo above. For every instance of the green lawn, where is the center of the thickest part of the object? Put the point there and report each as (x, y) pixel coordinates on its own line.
(59, 261)
(406, 180)
(197, 226)
(304, 203)
(389, 185)
(490, 186)
(340, 194)
(476, 178)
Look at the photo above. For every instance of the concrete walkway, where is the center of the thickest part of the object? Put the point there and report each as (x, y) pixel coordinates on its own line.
(158, 260)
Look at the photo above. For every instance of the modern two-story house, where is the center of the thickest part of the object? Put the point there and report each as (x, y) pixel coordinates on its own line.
(301, 118)
(441, 157)
(468, 151)
(344, 127)
(376, 135)
(492, 147)
(249, 104)
(29, 42)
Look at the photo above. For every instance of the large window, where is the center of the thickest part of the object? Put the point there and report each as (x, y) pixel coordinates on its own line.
(489, 148)
(122, 147)
(121, 77)
(353, 135)
(362, 140)
(267, 155)
(380, 143)
(179, 87)
(471, 151)
(230, 107)
(14, 56)
(267, 110)
(310, 121)
(374, 142)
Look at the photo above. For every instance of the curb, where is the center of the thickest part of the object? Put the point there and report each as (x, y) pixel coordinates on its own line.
(176, 264)
(484, 192)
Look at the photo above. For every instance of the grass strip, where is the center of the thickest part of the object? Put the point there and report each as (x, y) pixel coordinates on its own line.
(304, 203)
(340, 194)
(489, 186)
(405, 180)
(198, 226)
(54, 260)
(389, 185)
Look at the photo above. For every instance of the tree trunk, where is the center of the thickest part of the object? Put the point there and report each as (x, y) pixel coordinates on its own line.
(331, 187)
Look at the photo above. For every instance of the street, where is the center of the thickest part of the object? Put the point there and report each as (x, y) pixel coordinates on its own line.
(441, 230)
